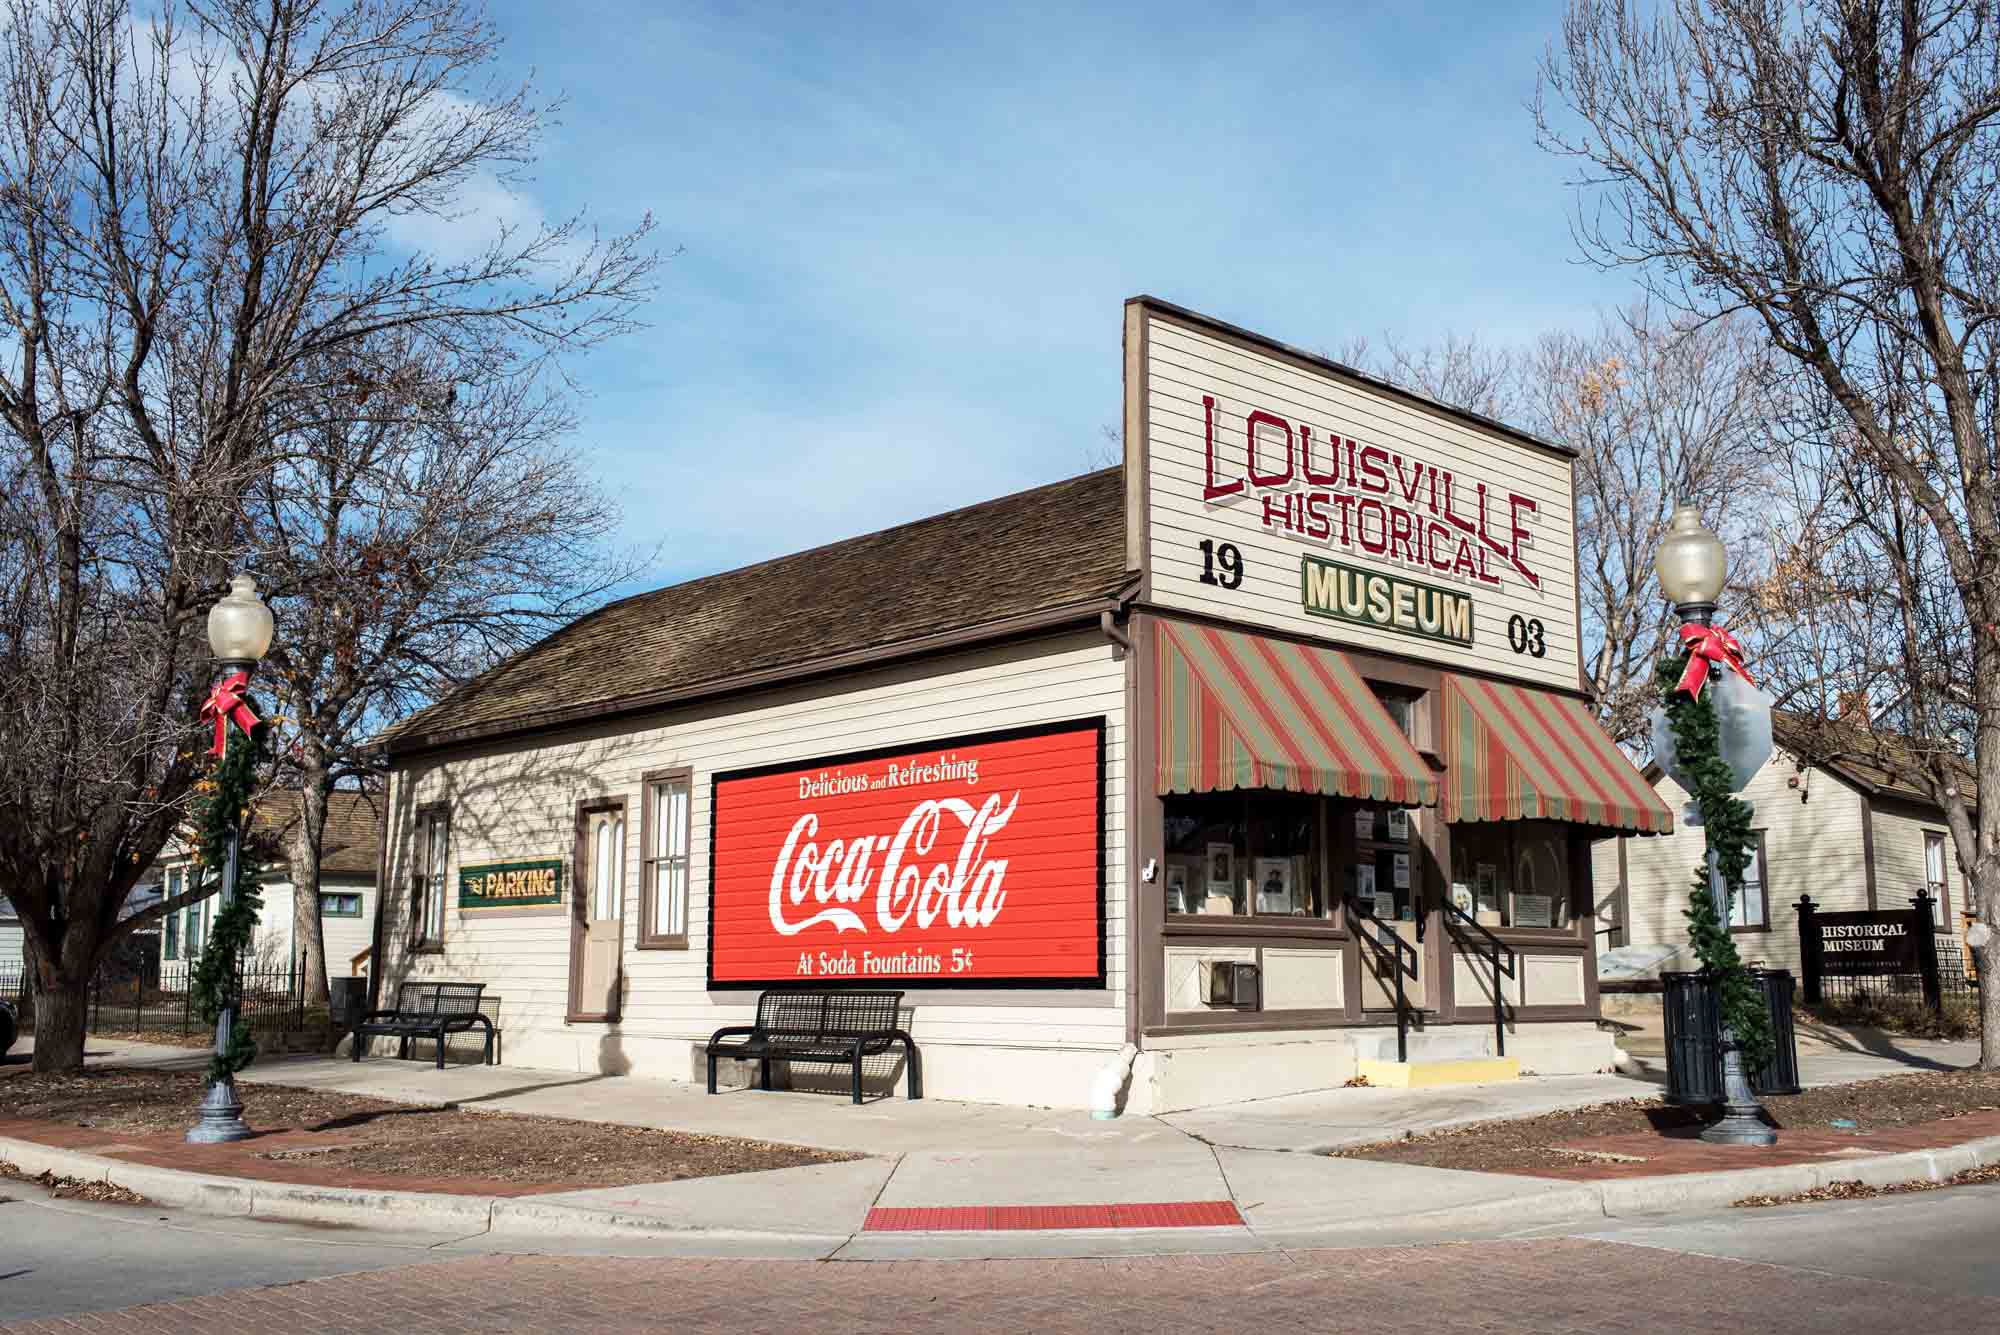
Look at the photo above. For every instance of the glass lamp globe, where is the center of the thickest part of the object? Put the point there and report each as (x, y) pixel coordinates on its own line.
(239, 626)
(1691, 562)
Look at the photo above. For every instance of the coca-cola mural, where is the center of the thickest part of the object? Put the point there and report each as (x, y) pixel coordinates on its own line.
(974, 861)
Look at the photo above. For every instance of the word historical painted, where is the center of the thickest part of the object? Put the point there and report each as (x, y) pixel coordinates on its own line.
(510, 885)
(1366, 497)
(976, 862)
(1330, 589)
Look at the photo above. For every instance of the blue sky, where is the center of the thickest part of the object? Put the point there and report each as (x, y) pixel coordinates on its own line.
(908, 231)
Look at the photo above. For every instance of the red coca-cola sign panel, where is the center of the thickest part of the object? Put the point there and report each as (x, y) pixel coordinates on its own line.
(976, 861)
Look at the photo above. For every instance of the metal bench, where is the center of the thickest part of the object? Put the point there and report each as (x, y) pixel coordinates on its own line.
(803, 1024)
(427, 1010)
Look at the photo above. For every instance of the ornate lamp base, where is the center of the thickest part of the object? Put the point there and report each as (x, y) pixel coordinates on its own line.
(1742, 1116)
(221, 1116)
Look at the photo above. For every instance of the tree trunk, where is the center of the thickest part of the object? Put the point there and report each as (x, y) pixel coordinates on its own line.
(308, 936)
(62, 1005)
(1986, 894)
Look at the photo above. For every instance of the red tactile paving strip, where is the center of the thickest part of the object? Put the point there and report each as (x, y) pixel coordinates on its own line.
(1011, 1218)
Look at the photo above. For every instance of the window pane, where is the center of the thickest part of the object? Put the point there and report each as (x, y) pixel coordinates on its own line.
(671, 909)
(677, 819)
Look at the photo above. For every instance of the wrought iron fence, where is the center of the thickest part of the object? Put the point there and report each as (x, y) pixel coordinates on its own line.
(157, 999)
(1952, 978)
(269, 1000)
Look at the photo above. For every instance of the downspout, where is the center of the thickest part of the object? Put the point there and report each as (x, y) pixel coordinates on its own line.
(1108, 1090)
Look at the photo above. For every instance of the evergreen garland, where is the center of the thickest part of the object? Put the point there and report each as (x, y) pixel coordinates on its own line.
(226, 807)
(1726, 821)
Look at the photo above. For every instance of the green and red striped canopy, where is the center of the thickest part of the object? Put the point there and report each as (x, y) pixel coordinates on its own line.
(1247, 711)
(1513, 752)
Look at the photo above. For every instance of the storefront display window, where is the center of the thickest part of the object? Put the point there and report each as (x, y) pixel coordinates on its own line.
(1244, 854)
(1514, 875)
(1380, 877)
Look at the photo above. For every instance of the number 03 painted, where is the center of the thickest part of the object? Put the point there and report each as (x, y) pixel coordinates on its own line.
(1524, 636)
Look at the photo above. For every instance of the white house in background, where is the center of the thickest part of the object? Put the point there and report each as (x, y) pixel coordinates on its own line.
(1830, 821)
(10, 940)
(348, 868)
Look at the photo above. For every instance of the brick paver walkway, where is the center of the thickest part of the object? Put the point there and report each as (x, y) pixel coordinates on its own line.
(1547, 1288)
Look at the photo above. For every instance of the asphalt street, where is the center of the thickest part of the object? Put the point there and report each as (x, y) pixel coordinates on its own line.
(1832, 1266)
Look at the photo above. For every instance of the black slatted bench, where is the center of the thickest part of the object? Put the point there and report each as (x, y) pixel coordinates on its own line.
(804, 1024)
(427, 1010)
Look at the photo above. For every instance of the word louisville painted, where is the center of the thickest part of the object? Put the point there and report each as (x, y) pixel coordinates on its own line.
(977, 861)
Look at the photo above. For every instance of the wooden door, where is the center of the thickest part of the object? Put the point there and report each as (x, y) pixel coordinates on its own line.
(597, 904)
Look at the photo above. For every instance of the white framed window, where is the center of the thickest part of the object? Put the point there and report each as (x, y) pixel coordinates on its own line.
(1934, 877)
(665, 826)
(433, 852)
(1750, 909)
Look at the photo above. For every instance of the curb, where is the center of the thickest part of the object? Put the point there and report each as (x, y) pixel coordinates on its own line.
(299, 1203)
(527, 1217)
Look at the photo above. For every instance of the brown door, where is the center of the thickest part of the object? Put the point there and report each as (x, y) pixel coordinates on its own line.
(597, 906)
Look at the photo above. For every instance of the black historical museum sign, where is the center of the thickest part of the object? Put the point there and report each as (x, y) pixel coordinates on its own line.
(1867, 942)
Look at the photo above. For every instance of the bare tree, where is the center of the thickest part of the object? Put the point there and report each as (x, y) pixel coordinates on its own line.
(429, 519)
(1663, 413)
(196, 211)
(1660, 411)
(1829, 167)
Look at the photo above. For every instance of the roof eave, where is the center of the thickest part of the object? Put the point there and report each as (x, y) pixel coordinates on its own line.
(1079, 612)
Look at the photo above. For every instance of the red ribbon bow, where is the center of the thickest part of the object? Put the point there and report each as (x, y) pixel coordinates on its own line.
(1706, 645)
(225, 703)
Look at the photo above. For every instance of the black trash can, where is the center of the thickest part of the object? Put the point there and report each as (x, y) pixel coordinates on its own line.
(1694, 1037)
(1694, 1048)
(1781, 1074)
(347, 999)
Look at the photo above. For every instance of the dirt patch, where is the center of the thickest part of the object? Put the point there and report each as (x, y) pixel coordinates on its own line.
(1546, 1145)
(344, 1139)
(1861, 1191)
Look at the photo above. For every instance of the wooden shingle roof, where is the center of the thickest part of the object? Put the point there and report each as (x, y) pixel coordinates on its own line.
(352, 841)
(1039, 552)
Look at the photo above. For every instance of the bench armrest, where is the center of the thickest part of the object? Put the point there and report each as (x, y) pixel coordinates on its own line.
(733, 1031)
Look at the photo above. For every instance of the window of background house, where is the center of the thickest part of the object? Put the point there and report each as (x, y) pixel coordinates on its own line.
(173, 881)
(1751, 908)
(433, 850)
(339, 904)
(664, 862)
(1934, 879)
(1244, 854)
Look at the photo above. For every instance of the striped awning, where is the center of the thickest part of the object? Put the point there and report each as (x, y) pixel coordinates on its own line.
(1513, 752)
(1245, 711)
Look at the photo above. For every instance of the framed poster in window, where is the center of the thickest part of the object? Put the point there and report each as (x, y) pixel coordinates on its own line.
(1177, 888)
(1221, 869)
(1274, 885)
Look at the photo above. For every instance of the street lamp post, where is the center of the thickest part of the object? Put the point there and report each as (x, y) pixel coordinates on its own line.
(1693, 567)
(239, 634)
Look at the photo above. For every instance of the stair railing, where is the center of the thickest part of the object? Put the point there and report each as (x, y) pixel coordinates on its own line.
(1494, 949)
(1390, 949)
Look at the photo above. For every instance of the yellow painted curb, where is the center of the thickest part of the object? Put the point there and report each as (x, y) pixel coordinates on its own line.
(1422, 1075)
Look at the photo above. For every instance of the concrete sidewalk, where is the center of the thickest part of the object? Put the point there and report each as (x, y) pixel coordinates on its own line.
(1266, 1158)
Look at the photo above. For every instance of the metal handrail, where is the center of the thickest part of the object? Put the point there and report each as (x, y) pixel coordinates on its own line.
(1497, 948)
(1385, 941)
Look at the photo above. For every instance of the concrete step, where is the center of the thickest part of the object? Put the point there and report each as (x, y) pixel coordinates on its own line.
(1457, 1043)
(1449, 1071)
